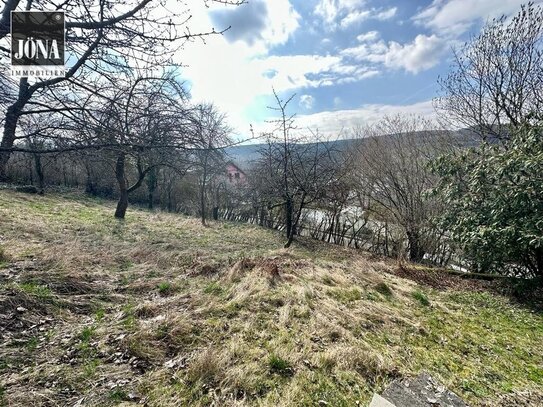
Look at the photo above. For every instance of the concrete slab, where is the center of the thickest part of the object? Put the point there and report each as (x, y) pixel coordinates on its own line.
(378, 401)
(421, 391)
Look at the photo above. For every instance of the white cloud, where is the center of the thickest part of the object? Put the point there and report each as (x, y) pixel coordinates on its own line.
(231, 76)
(373, 52)
(307, 101)
(369, 74)
(237, 73)
(234, 71)
(298, 71)
(423, 53)
(457, 16)
(333, 123)
(355, 17)
(368, 37)
(258, 23)
(330, 10)
(386, 14)
(345, 13)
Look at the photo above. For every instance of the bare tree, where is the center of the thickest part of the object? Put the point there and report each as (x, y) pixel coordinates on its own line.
(497, 77)
(294, 171)
(105, 39)
(146, 123)
(392, 167)
(211, 138)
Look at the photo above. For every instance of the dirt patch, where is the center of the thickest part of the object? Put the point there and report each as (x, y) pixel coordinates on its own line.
(440, 279)
(240, 268)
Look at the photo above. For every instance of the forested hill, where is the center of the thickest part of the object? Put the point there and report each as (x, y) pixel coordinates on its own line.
(244, 155)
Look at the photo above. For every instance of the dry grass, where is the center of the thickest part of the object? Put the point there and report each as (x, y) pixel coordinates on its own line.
(159, 310)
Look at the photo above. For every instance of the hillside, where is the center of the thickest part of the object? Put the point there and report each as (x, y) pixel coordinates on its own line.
(158, 310)
(246, 154)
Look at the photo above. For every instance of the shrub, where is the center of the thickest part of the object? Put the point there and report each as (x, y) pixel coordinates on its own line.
(494, 205)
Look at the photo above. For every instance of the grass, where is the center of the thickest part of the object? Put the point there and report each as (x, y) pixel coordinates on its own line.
(279, 365)
(384, 289)
(40, 291)
(161, 309)
(421, 298)
(165, 288)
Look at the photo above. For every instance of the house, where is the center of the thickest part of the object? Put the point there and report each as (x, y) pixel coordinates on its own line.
(235, 175)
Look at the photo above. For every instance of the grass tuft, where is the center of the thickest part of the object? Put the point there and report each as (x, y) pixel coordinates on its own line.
(421, 298)
(279, 365)
(165, 288)
(383, 289)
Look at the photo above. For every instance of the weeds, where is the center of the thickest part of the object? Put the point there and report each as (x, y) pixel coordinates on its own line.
(213, 288)
(118, 395)
(40, 291)
(165, 288)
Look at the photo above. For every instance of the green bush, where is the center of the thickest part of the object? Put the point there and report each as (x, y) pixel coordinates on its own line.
(494, 205)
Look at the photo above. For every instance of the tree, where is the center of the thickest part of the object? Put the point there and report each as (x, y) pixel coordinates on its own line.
(293, 172)
(392, 167)
(147, 123)
(105, 40)
(494, 203)
(496, 81)
(493, 207)
(211, 137)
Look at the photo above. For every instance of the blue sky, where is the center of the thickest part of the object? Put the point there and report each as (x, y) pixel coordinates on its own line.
(349, 62)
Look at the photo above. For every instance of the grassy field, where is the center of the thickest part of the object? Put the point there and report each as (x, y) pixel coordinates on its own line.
(158, 310)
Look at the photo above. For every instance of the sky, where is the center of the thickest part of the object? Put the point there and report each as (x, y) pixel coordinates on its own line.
(348, 62)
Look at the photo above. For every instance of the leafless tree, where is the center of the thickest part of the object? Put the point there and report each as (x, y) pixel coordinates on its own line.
(147, 123)
(497, 77)
(211, 136)
(393, 175)
(293, 171)
(104, 39)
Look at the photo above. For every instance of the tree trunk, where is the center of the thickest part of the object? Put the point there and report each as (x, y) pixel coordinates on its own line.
(294, 222)
(30, 168)
(288, 217)
(262, 216)
(416, 252)
(10, 125)
(89, 186)
(151, 187)
(203, 193)
(122, 205)
(170, 202)
(39, 173)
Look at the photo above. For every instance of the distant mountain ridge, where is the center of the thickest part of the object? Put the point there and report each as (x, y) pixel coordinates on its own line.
(246, 155)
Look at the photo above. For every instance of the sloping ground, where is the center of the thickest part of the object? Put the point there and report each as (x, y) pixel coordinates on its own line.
(160, 310)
